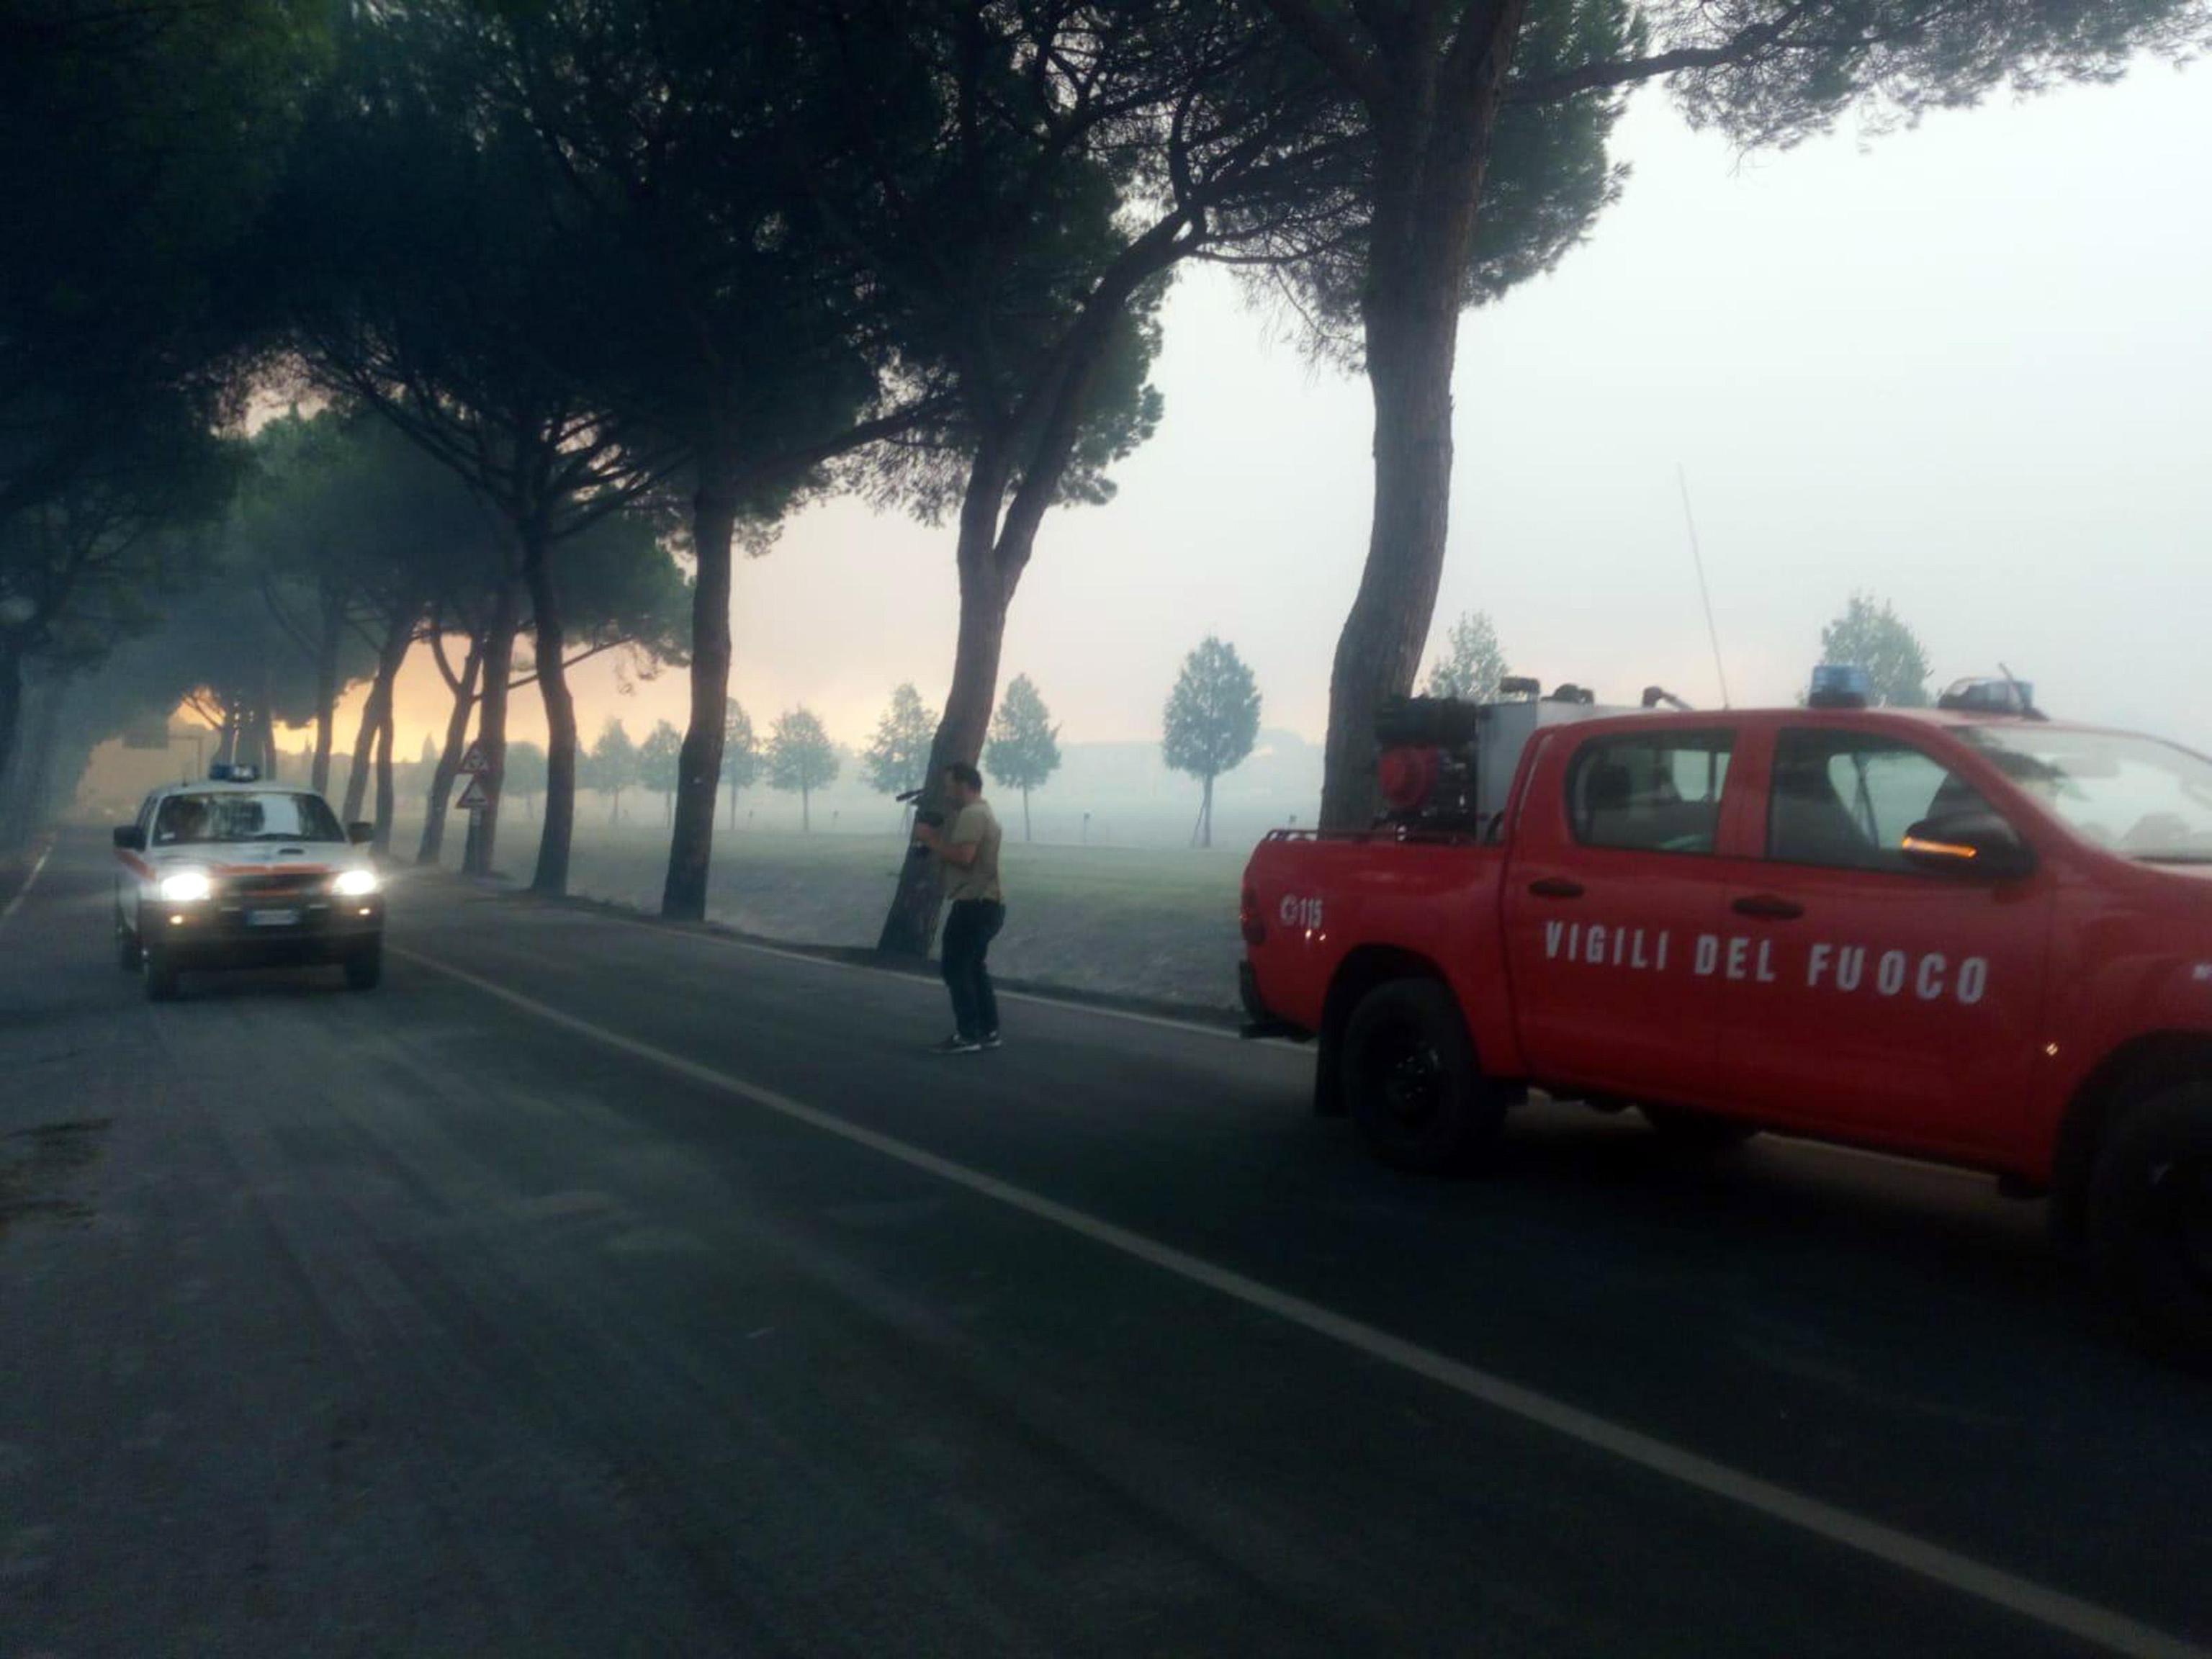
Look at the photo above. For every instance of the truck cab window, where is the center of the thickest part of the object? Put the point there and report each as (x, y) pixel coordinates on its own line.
(1844, 800)
(1654, 794)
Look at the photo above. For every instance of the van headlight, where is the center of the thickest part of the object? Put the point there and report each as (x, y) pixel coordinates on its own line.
(184, 886)
(355, 883)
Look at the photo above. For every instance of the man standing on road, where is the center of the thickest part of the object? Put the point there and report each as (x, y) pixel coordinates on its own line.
(968, 851)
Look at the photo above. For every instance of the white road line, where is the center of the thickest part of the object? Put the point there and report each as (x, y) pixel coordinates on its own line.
(24, 892)
(2111, 1630)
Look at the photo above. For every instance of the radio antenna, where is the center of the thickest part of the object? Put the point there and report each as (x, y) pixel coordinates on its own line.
(1704, 593)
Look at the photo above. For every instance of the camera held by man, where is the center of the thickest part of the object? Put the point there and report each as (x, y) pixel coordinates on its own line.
(924, 818)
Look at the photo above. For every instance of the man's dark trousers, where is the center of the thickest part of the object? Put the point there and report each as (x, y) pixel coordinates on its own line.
(969, 927)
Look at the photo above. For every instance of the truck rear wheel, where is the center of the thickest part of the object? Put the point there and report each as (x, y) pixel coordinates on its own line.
(1412, 1081)
(2150, 1218)
(1697, 1131)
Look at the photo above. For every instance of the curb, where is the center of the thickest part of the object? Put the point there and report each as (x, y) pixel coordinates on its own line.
(1222, 1016)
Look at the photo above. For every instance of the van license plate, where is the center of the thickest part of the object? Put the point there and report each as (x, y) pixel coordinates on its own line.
(272, 918)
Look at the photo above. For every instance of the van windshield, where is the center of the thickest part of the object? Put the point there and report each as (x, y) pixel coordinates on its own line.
(2136, 795)
(239, 815)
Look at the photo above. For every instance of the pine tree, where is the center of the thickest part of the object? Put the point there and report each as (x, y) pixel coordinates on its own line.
(1025, 748)
(898, 759)
(801, 759)
(741, 755)
(1472, 662)
(1212, 720)
(613, 766)
(659, 766)
(1873, 636)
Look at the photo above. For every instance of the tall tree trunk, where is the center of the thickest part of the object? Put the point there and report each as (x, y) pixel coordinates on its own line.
(266, 759)
(449, 758)
(805, 812)
(27, 804)
(1409, 362)
(558, 830)
(691, 843)
(491, 726)
(1430, 182)
(987, 579)
(993, 554)
(1025, 815)
(363, 756)
(376, 712)
(327, 687)
(380, 840)
(1205, 814)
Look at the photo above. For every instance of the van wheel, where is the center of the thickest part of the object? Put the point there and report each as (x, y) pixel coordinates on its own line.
(1697, 1131)
(2150, 1218)
(1412, 1081)
(126, 946)
(159, 975)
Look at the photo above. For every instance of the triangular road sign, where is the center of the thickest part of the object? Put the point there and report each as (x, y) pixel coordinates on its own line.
(475, 796)
(474, 762)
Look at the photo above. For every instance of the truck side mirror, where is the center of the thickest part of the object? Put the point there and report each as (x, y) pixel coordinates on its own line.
(1976, 843)
(129, 838)
(361, 832)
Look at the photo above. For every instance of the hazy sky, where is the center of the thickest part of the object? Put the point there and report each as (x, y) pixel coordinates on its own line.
(1964, 367)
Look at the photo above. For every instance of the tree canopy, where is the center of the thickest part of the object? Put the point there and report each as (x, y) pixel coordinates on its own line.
(1025, 748)
(1873, 636)
(613, 766)
(897, 758)
(741, 755)
(1472, 662)
(1212, 720)
(657, 759)
(801, 758)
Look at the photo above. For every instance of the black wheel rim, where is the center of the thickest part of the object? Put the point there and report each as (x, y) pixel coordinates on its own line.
(1406, 1077)
(2181, 1212)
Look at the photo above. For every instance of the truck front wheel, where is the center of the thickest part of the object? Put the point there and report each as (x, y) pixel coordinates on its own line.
(2150, 1217)
(1412, 1081)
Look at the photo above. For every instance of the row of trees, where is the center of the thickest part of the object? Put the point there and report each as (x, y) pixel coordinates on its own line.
(1868, 632)
(686, 265)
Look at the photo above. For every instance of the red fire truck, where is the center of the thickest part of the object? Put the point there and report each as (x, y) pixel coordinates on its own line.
(1969, 934)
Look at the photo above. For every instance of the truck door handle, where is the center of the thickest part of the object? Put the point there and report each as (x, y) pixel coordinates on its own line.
(1556, 887)
(1767, 905)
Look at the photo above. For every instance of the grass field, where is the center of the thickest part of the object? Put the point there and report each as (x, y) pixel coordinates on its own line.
(1151, 923)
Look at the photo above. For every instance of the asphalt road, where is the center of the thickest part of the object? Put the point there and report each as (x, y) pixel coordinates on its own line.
(597, 1288)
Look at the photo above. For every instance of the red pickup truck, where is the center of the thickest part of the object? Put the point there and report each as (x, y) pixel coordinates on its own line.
(1984, 939)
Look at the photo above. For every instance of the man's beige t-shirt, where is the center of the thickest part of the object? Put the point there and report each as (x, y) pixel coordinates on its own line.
(976, 827)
